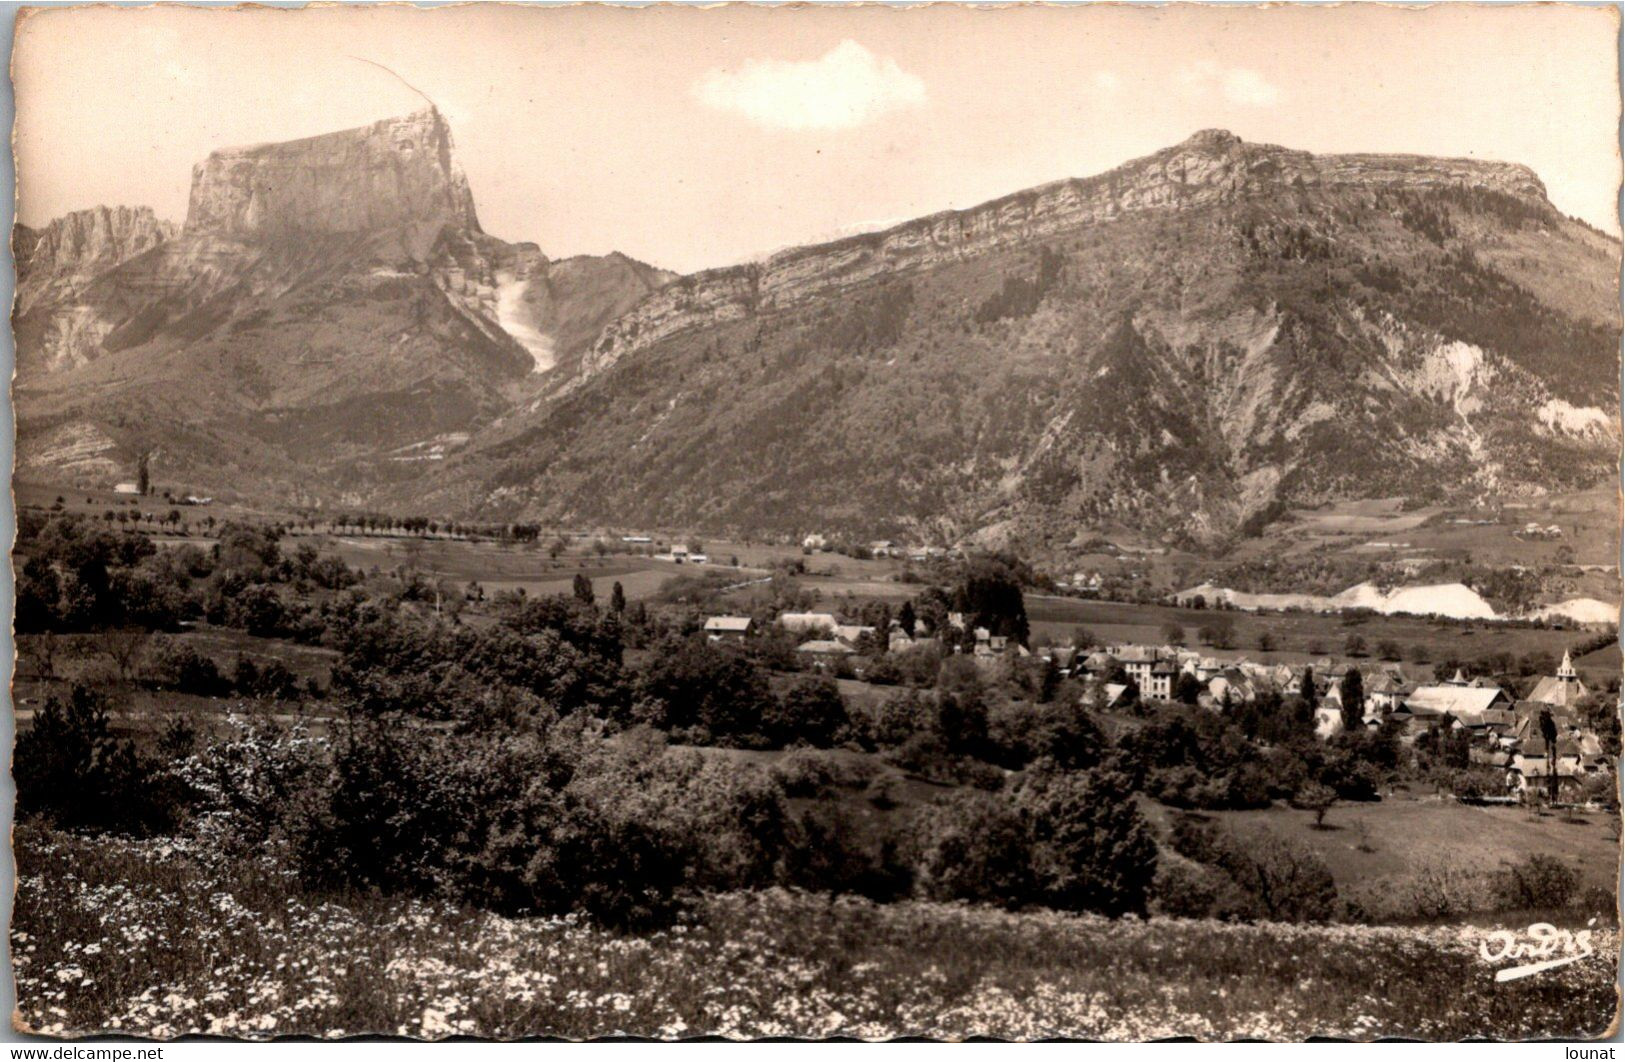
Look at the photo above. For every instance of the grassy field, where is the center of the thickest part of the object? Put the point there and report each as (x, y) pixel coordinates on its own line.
(1589, 520)
(506, 567)
(244, 954)
(1378, 853)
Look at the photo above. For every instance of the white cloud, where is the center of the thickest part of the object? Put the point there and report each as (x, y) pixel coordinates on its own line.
(1238, 84)
(846, 87)
(1249, 87)
(1107, 81)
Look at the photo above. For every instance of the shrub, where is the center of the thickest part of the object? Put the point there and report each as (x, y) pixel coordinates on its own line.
(1290, 882)
(1186, 889)
(1446, 891)
(884, 793)
(805, 773)
(1537, 882)
(1069, 840)
(1600, 901)
(71, 769)
(973, 846)
(1351, 778)
(1316, 798)
(827, 850)
(925, 754)
(544, 820)
(174, 665)
(894, 720)
(1219, 633)
(712, 689)
(257, 789)
(1091, 850)
(884, 671)
(271, 681)
(1284, 881)
(811, 710)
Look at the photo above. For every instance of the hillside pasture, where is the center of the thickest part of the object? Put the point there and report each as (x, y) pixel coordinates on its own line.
(1381, 851)
(498, 566)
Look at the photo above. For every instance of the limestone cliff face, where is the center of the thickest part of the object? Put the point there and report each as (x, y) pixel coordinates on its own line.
(332, 299)
(1211, 166)
(397, 173)
(56, 265)
(88, 241)
(261, 219)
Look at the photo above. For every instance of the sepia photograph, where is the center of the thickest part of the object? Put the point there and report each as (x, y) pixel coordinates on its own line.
(1093, 522)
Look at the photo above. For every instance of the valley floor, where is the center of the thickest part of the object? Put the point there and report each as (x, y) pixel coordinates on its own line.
(147, 939)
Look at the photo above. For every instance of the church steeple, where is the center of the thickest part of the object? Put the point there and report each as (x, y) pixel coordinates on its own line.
(1565, 670)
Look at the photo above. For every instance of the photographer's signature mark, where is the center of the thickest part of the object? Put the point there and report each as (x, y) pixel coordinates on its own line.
(1549, 946)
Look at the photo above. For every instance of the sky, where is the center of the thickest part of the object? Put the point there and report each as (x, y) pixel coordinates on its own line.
(691, 138)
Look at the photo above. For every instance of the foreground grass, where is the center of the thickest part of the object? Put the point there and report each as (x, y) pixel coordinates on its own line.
(145, 939)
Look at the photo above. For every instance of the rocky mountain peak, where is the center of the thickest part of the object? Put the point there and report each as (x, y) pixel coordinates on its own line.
(96, 238)
(399, 173)
(1213, 140)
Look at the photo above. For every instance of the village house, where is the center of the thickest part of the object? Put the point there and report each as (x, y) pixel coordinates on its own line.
(1534, 764)
(728, 628)
(1460, 701)
(1384, 694)
(823, 653)
(1062, 657)
(1230, 685)
(851, 633)
(1106, 696)
(1205, 668)
(1152, 671)
(1099, 663)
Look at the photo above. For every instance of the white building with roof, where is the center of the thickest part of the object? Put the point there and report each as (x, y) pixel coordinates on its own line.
(728, 628)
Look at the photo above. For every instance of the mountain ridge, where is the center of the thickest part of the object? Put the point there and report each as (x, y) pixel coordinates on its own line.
(1208, 164)
(1180, 346)
(1213, 332)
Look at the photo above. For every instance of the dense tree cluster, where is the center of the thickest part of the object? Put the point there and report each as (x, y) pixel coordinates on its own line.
(525, 760)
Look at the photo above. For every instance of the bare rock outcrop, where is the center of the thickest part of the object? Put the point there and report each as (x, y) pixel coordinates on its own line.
(397, 173)
(56, 324)
(88, 241)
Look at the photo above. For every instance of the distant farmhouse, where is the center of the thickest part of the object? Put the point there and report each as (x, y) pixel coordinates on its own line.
(728, 628)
